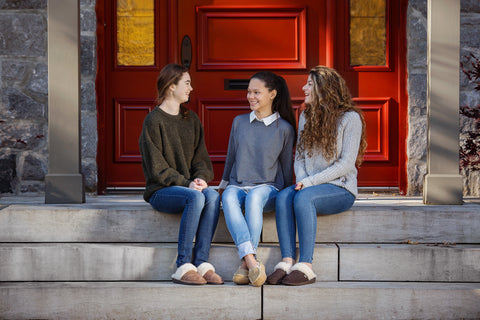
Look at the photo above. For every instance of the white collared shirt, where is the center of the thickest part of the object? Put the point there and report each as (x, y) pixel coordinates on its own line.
(267, 120)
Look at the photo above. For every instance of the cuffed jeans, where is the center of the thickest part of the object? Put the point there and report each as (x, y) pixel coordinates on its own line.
(300, 209)
(200, 211)
(246, 230)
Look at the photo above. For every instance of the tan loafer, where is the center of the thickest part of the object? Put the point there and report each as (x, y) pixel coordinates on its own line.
(257, 275)
(241, 276)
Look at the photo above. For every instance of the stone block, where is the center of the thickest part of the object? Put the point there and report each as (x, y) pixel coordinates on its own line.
(89, 135)
(130, 222)
(23, 4)
(19, 105)
(15, 71)
(372, 300)
(131, 261)
(38, 82)
(88, 20)
(26, 36)
(22, 134)
(446, 263)
(128, 300)
(393, 224)
(88, 64)
(88, 101)
(8, 172)
(34, 167)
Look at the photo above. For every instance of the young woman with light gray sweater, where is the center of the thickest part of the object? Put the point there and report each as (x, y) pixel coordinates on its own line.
(331, 141)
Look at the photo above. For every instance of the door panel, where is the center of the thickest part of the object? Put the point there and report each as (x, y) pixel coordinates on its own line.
(230, 41)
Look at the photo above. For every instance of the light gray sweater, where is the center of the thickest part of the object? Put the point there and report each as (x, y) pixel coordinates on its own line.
(341, 170)
(259, 154)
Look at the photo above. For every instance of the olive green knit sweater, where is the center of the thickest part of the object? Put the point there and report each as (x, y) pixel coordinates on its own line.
(173, 151)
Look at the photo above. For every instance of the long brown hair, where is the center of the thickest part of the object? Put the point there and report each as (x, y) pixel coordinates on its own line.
(331, 99)
(170, 74)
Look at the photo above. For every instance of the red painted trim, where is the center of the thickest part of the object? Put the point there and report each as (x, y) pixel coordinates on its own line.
(100, 95)
(172, 30)
(403, 95)
(330, 33)
(204, 13)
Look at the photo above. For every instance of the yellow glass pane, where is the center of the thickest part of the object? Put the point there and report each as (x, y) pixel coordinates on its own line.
(135, 33)
(367, 33)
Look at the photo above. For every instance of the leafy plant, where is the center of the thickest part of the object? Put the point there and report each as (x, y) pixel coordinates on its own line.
(470, 150)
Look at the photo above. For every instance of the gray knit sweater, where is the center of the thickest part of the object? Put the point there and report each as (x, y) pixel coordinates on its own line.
(341, 170)
(259, 154)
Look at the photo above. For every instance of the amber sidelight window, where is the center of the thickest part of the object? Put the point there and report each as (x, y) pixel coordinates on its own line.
(135, 33)
(368, 32)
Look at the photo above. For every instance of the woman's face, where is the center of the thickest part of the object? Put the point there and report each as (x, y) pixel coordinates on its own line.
(308, 90)
(259, 97)
(181, 90)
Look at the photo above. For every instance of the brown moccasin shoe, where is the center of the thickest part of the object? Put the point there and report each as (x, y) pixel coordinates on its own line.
(279, 272)
(276, 277)
(300, 275)
(212, 278)
(191, 278)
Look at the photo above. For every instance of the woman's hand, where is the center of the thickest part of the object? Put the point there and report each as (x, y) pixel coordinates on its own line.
(198, 184)
(299, 186)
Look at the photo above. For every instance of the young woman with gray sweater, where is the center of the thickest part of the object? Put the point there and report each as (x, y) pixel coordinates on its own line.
(259, 163)
(331, 141)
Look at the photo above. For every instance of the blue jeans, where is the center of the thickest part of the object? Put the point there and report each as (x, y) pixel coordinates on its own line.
(246, 230)
(200, 211)
(300, 208)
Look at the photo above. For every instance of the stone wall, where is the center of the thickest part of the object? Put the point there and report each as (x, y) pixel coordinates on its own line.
(417, 90)
(24, 95)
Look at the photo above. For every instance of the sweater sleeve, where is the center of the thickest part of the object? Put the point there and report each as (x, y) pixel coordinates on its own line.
(286, 157)
(155, 166)
(201, 163)
(231, 153)
(351, 136)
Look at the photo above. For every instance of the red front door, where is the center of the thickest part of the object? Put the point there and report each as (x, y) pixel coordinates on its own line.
(225, 42)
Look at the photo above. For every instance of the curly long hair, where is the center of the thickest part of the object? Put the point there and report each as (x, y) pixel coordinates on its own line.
(330, 100)
(170, 74)
(282, 103)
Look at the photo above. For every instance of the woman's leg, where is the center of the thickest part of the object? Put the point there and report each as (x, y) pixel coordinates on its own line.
(258, 199)
(322, 199)
(206, 226)
(233, 200)
(178, 199)
(285, 220)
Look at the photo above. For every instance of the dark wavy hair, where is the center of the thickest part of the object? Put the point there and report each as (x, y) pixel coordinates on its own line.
(170, 74)
(331, 99)
(282, 103)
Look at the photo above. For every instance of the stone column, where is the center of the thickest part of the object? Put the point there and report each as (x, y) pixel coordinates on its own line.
(64, 181)
(443, 183)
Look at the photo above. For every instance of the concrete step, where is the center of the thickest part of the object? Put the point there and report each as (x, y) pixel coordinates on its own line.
(127, 300)
(157, 300)
(372, 300)
(152, 262)
(131, 262)
(447, 262)
(124, 219)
